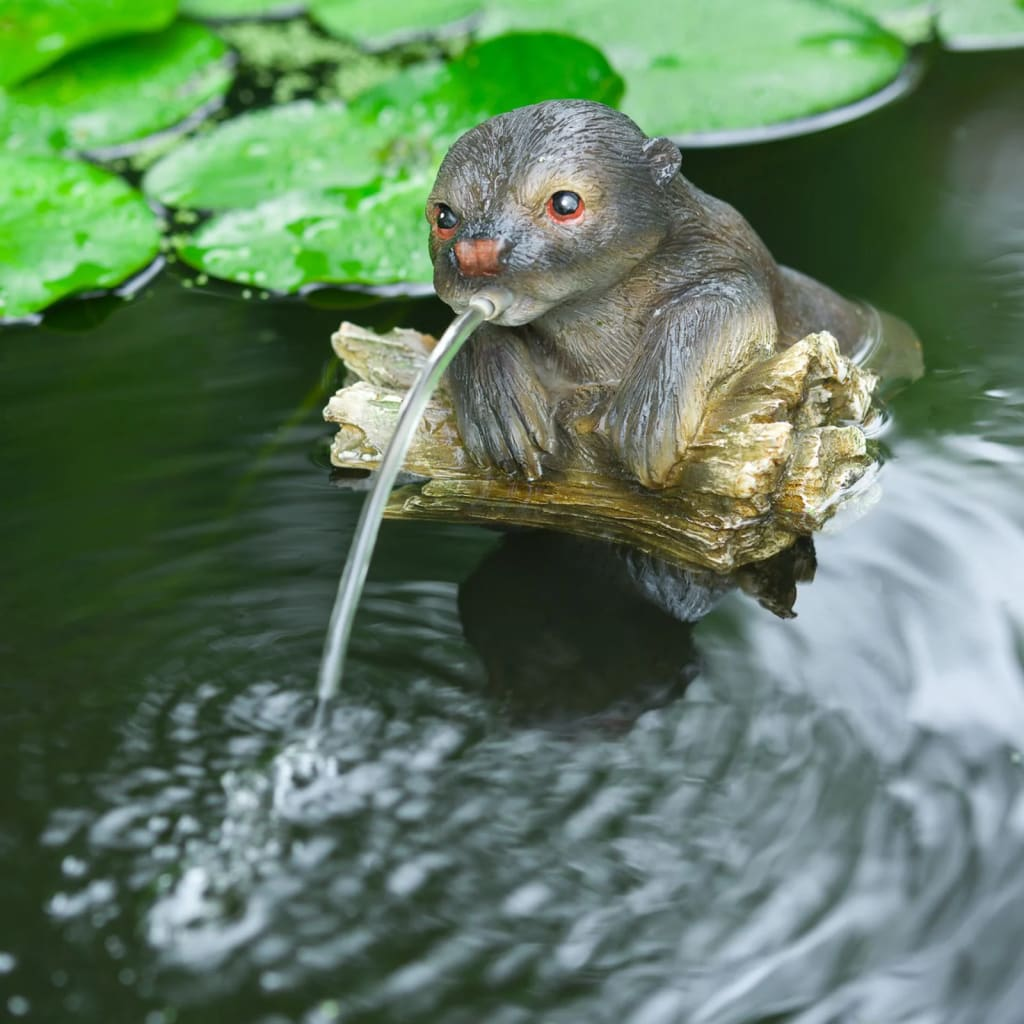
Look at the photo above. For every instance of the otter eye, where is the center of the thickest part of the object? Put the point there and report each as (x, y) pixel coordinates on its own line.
(563, 206)
(446, 220)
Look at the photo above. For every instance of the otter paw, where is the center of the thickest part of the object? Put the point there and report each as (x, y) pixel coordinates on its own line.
(507, 430)
(503, 409)
(648, 446)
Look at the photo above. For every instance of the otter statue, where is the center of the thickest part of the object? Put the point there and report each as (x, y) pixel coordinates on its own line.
(623, 273)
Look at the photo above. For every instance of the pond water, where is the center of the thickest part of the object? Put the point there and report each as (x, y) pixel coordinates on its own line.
(539, 797)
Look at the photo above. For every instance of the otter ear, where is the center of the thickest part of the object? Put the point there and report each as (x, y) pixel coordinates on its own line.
(663, 160)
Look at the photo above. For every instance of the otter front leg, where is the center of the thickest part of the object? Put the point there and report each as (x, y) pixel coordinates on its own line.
(503, 410)
(694, 341)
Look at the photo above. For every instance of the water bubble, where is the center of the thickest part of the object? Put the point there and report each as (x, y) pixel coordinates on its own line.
(18, 1006)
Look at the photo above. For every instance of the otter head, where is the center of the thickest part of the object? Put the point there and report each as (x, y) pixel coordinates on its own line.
(552, 201)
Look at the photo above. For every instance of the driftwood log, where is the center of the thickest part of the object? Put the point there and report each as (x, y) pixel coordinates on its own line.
(777, 452)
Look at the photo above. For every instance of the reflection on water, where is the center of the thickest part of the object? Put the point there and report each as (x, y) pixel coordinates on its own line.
(548, 792)
(567, 635)
(577, 632)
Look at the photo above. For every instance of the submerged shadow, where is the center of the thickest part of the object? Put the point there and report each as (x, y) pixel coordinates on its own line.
(575, 632)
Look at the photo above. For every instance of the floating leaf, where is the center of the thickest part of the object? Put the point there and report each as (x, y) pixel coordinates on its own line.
(382, 23)
(982, 24)
(35, 33)
(302, 145)
(912, 20)
(714, 65)
(404, 124)
(492, 77)
(115, 92)
(49, 242)
(216, 10)
(961, 24)
(300, 239)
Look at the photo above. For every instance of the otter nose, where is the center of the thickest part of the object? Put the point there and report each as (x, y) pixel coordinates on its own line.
(480, 257)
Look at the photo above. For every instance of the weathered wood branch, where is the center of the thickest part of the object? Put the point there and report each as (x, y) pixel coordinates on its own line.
(777, 451)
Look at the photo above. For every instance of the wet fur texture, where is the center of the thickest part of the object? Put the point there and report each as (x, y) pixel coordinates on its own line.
(658, 291)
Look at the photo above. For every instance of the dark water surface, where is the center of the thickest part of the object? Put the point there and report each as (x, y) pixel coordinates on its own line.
(520, 816)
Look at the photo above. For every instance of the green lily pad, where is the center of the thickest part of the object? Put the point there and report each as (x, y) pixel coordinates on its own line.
(723, 65)
(301, 239)
(35, 33)
(115, 92)
(380, 24)
(961, 24)
(912, 20)
(66, 227)
(402, 125)
(216, 10)
(492, 77)
(981, 24)
(266, 153)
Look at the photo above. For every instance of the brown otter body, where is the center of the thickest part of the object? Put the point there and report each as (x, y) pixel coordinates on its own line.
(624, 275)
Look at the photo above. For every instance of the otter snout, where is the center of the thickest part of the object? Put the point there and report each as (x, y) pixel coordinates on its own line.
(481, 257)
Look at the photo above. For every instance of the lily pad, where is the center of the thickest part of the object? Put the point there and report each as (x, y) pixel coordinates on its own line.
(35, 33)
(381, 24)
(267, 153)
(982, 24)
(492, 77)
(301, 239)
(912, 20)
(49, 244)
(713, 65)
(115, 92)
(227, 10)
(403, 125)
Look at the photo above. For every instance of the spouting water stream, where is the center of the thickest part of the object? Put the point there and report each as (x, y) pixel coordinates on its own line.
(487, 304)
